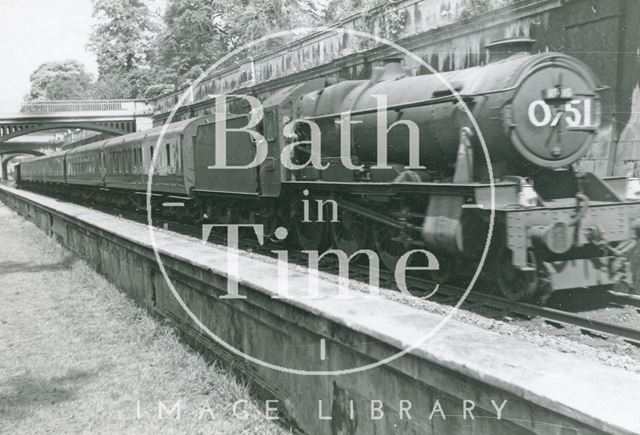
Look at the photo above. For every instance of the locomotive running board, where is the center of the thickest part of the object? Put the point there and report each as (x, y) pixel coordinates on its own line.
(506, 192)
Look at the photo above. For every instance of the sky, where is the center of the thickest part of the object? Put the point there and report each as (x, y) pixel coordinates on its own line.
(36, 31)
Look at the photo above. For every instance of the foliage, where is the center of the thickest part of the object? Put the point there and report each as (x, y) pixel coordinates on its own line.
(68, 87)
(157, 90)
(474, 8)
(123, 40)
(59, 80)
(338, 10)
(198, 32)
(250, 20)
(123, 36)
(382, 19)
(192, 38)
(143, 50)
(125, 85)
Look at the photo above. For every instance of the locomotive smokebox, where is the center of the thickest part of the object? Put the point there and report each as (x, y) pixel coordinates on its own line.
(504, 48)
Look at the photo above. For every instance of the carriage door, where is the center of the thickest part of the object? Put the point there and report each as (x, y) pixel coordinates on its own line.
(269, 171)
(103, 167)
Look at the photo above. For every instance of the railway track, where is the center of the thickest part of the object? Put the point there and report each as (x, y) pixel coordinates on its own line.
(447, 294)
(585, 323)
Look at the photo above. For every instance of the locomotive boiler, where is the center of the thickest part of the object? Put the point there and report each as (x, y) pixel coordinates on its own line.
(532, 110)
(431, 184)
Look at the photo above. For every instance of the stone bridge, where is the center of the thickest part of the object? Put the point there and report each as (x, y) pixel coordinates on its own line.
(106, 116)
(33, 144)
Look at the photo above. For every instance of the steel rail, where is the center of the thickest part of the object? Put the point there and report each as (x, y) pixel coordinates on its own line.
(624, 298)
(583, 322)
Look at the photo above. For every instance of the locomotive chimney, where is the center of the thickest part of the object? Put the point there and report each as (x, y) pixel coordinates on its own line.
(392, 69)
(504, 48)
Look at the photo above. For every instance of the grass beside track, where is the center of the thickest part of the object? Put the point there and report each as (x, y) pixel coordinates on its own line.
(77, 356)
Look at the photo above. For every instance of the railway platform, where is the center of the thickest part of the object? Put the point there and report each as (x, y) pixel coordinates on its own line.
(77, 357)
(462, 379)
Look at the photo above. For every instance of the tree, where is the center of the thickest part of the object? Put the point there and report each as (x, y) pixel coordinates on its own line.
(198, 32)
(157, 90)
(60, 80)
(192, 36)
(68, 87)
(138, 53)
(123, 85)
(123, 37)
(123, 41)
(249, 20)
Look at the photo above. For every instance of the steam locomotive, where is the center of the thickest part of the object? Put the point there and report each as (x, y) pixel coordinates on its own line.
(494, 141)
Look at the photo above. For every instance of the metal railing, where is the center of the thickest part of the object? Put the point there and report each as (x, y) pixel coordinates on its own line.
(83, 106)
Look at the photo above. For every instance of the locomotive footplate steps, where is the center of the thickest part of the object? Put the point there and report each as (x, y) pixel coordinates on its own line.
(515, 388)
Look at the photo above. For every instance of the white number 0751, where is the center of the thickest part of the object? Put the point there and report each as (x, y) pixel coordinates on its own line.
(572, 114)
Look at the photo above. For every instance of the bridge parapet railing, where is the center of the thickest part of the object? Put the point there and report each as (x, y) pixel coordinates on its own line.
(122, 105)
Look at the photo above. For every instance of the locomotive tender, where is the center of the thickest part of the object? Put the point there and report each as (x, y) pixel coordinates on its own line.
(538, 113)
